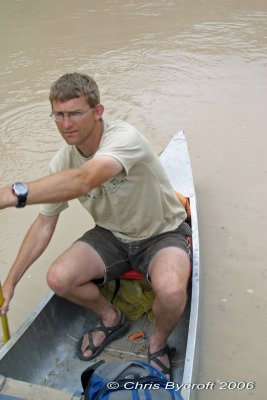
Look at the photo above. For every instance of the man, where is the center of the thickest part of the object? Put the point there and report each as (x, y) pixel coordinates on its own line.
(113, 171)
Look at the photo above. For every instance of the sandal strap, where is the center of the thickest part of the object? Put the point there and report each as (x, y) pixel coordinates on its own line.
(103, 328)
(154, 357)
(91, 345)
(159, 353)
(108, 329)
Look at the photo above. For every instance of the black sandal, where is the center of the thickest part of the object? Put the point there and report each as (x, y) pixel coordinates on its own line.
(155, 358)
(112, 333)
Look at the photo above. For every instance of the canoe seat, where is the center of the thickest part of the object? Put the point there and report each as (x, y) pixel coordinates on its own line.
(132, 274)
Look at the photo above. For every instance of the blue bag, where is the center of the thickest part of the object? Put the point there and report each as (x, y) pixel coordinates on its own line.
(132, 380)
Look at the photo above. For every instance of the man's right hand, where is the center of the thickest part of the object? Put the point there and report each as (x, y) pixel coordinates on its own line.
(8, 293)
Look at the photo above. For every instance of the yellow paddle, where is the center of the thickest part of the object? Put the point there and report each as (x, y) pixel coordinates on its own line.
(4, 322)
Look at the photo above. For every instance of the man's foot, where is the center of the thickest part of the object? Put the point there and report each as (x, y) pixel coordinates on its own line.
(95, 340)
(160, 359)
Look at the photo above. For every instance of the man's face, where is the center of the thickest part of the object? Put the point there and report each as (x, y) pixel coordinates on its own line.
(76, 120)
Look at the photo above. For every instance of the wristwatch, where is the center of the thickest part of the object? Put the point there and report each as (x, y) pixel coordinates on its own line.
(21, 191)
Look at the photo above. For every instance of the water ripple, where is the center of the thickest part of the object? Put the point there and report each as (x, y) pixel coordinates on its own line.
(28, 139)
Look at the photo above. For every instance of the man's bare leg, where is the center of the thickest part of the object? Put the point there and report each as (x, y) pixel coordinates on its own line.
(169, 273)
(70, 277)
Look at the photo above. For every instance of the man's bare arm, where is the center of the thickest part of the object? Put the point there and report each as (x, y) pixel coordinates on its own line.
(33, 245)
(66, 185)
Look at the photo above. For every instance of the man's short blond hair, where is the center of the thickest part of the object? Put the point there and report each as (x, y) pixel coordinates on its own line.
(74, 85)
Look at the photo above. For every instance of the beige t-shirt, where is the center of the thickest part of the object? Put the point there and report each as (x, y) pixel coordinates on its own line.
(140, 201)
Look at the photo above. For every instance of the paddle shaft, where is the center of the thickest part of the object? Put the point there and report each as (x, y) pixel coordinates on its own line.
(4, 322)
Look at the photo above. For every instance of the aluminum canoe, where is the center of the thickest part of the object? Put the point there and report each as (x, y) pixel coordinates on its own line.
(43, 350)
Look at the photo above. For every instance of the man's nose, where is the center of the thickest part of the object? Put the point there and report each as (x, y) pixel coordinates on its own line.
(67, 121)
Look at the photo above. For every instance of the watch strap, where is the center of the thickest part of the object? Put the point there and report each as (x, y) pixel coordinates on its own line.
(22, 197)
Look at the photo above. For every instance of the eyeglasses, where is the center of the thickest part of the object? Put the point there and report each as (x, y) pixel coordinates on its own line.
(72, 115)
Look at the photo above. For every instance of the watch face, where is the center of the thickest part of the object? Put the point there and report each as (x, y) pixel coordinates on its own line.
(20, 188)
(21, 191)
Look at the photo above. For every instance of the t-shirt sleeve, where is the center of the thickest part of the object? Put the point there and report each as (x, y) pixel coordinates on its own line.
(125, 145)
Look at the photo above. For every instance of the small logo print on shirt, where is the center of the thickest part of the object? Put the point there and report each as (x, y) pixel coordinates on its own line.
(108, 187)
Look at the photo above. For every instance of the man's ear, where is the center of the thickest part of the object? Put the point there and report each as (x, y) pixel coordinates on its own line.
(99, 110)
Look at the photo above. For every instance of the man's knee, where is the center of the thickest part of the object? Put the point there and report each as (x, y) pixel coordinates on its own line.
(169, 272)
(171, 294)
(56, 281)
(78, 265)
(169, 289)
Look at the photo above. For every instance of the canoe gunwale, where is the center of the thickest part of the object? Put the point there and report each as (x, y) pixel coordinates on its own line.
(184, 184)
(192, 350)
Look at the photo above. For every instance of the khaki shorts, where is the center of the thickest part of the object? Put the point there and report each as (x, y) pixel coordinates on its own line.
(119, 257)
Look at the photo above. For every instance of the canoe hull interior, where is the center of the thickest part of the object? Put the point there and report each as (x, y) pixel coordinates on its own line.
(45, 353)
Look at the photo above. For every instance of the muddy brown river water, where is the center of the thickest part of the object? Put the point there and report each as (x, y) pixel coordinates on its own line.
(161, 65)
